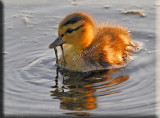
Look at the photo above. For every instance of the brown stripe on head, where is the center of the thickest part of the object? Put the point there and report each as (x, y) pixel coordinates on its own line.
(74, 18)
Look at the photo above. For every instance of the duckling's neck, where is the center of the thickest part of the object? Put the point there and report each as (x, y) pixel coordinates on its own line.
(85, 40)
(73, 52)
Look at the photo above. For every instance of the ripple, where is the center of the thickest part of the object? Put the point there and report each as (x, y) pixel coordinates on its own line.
(118, 90)
(33, 78)
(119, 94)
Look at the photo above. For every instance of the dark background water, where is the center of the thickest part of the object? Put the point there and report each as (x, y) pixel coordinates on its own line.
(32, 85)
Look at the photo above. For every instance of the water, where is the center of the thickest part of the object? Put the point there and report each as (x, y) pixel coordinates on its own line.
(34, 86)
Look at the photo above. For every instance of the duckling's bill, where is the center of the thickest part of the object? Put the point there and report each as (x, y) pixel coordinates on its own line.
(57, 42)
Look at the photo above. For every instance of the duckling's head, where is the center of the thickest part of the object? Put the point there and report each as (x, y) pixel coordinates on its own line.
(76, 29)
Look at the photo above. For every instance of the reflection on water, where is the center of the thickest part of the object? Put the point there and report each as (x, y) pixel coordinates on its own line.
(78, 114)
(80, 90)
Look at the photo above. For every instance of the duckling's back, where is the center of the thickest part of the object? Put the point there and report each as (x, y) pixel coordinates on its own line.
(112, 46)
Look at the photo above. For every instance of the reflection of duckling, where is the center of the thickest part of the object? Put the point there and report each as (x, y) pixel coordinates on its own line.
(80, 94)
(78, 97)
(90, 47)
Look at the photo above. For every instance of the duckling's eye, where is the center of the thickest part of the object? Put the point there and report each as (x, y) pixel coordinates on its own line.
(62, 35)
(69, 30)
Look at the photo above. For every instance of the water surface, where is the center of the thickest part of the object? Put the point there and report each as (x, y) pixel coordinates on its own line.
(34, 86)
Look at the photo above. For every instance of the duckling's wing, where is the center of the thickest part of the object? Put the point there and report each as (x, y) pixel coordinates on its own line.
(104, 64)
(94, 63)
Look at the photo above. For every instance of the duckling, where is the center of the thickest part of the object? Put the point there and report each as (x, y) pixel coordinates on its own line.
(89, 46)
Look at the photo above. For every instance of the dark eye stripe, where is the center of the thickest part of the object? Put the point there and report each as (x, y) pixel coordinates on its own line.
(78, 27)
(69, 30)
